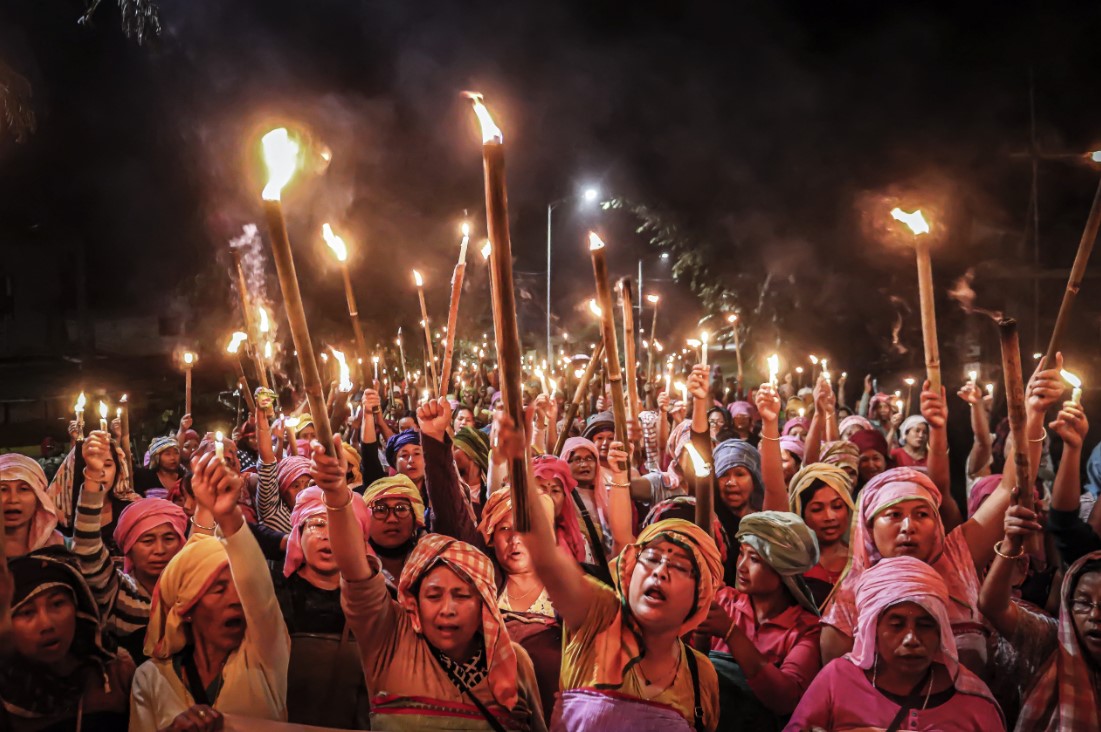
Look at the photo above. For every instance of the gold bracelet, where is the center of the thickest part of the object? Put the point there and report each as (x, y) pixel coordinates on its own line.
(1041, 438)
(998, 551)
(339, 508)
(197, 525)
(773, 439)
(620, 485)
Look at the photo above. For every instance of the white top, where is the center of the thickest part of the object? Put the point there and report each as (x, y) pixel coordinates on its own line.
(255, 676)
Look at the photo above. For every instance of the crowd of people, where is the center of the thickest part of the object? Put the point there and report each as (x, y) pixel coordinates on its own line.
(838, 582)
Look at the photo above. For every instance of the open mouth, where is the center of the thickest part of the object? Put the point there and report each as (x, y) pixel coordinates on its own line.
(235, 622)
(1094, 635)
(655, 594)
(50, 645)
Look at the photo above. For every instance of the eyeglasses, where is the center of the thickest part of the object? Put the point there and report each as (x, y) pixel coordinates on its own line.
(400, 510)
(1084, 607)
(583, 458)
(316, 524)
(652, 560)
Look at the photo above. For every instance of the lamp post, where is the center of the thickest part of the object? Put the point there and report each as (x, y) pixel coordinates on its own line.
(590, 195)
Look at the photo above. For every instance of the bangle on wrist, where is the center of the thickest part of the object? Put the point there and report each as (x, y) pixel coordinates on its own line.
(620, 485)
(770, 439)
(1041, 438)
(199, 526)
(339, 508)
(998, 551)
(90, 479)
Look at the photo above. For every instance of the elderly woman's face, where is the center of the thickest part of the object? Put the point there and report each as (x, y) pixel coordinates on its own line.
(410, 462)
(582, 466)
(908, 528)
(43, 628)
(218, 617)
(450, 611)
(152, 551)
(392, 521)
(510, 550)
(662, 589)
(907, 638)
(553, 488)
(871, 464)
(736, 487)
(1087, 617)
(19, 503)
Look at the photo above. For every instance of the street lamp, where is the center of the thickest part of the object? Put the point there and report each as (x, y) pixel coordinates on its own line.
(589, 195)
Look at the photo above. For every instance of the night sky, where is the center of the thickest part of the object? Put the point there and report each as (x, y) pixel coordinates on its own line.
(770, 134)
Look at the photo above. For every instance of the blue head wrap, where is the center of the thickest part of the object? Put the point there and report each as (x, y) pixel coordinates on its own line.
(734, 453)
(398, 441)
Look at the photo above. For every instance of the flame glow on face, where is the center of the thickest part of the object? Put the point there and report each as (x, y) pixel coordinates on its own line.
(595, 242)
(1071, 379)
(418, 279)
(490, 131)
(345, 373)
(281, 157)
(699, 465)
(335, 243)
(265, 326)
(595, 309)
(916, 222)
(235, 342)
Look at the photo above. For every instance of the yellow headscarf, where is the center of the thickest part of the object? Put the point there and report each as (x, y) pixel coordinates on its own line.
(187, 577)
(397, 486)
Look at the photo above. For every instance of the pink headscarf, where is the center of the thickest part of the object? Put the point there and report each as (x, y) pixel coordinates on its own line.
(793, 423)
(145, 515)
(747, 408)
(793, 445)
(854, 419)
(309, 503)
(291, 469)
(600, 491)
(14, 466)
(883, 491)
(566, 526)
(982, 490)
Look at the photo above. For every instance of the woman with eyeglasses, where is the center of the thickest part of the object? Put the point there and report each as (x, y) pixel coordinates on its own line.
(396, 520)
(324, 683)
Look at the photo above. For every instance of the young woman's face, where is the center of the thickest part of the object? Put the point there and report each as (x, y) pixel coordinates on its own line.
(307, 433)
(1087, 618)
(218, 617)
(754, 576)
(152, 552)
(827, 515)
(110, 468)
(917, 436)
(450, 611)
(790, 464)
(315, 545)
(392, 521)
(883, 412)
(662, 589)
(290, 494)
(871, 464)
(553, 488)
(908, 528)
(851, 430)
(19, 503)
(907, 637)
(463, 418)
(715, 423)
(169, 459)
(43, 628)
(735, 488)
(510, 550)
(410, 462)
(798, 431)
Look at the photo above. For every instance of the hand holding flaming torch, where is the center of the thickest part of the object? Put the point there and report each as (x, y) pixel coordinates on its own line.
(188, 363)
(281, 155)
(920, 229)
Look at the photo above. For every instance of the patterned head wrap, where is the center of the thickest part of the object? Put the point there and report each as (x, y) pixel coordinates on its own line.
(187, 577)
(619, 641)
(814, 474)
(566, 526)
(309, 503)
(684, 508)
(841, 453)
(887, 489)
(291, 469)
(794, 422)
(14, 466)
(739, 453)
(794, 445)
(679, 437)
(355, 473)
(497, 509)
(854, 419)
(145, 515)
(1063, 694)
(787, 545)
(473, 566)
(398, 441)
(397, 486)
(475, 445)
(159, 445)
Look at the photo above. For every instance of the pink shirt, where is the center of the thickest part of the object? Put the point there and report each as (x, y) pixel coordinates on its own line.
(842, 698)
(790, 643)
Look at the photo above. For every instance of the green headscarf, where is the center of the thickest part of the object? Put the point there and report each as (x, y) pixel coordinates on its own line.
(475, 445)
(787, 545)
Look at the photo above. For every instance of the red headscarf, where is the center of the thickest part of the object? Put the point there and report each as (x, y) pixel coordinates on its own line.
(566, 526)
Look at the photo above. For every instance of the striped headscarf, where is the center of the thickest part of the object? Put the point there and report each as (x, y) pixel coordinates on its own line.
(841, 453)
(475, 445)
(684, 507)
(472, 566)
(397, 486)
(498, 508)
(159, 445)
(291, 469)
(62, 489)
(787, 545)
(1063, 695)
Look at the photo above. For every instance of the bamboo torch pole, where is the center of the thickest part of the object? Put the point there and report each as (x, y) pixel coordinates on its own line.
(453, 313)
(340, 249)
(920, 230)
(281, 154)
(579, 395)
(626, 301)
(233, 349)
(1074, 282)
(504, 301)
(607, 330)
(430, 354)
(1015, 402)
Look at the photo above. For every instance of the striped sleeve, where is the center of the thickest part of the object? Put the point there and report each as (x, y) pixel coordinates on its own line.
(93, 557)
(273, 513)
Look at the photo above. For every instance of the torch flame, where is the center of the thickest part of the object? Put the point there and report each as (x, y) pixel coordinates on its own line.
(335, 243)
(267, 350)
(490, 131)
(732, 318)
(235, 342)
(908, 381)
(80, 402)
(189, 358)
(487, 249)
(102, 410)
(814, 359)
(219, 436)
(1071, 379)
(345, 373)
(264, 325)
(281, 157)
(595, 242)
(595, 309)
(465, 229)
(653, 299)
(693, 342)
(418, 279)
(773, 367)
(699, 465)
(914, 220)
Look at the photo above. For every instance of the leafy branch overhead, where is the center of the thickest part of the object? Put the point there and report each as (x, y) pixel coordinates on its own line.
(140, 18)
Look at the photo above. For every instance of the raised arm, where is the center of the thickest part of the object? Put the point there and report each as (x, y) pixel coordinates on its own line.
(820, 421)
(452, 513)
(935, 411)
(345, 534)
(92, 556)
(619, 499)
(996, 596)
(1045, 389)
(701, 398)
(981, 447)
(772, 464)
